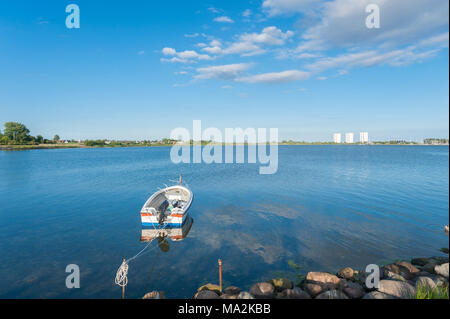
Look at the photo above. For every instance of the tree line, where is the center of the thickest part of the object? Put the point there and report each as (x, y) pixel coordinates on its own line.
(15, 133)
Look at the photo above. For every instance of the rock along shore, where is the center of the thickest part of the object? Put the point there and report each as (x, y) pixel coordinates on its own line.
(399, 280)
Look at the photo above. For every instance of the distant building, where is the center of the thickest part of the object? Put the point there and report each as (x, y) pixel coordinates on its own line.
(364, 137)
(349, 137)
(337, 138)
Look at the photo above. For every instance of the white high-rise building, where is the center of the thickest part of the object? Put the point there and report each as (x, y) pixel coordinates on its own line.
(337, 138)
(349, 137)
(364, 137)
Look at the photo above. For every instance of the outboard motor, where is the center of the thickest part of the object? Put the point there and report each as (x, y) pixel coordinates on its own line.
(161, 210)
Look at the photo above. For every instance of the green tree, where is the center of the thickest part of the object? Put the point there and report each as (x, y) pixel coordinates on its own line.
(40, 139)
(16, 132)
(56, 138)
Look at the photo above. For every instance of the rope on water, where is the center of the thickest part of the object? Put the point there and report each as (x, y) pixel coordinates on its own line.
(121, 274)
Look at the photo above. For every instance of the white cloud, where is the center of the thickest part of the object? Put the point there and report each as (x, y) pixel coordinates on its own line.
(223, 19)
(370, 58)
(244, 48)
(322, 78)
(213, 50)
(227, 87)
(269, 35)
(342, 24)
(215, 43)
(247, 13)
(249, 44)
(193, 35)
(276, 77)
(224, 72)
(181, 73)
(169, 51)
(142, 52)
(187, 56)
(213, 10)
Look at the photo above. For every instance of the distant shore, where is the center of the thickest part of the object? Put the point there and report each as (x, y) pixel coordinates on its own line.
(78, 145)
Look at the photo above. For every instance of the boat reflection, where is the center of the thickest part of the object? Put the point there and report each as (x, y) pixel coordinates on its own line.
(162, 235)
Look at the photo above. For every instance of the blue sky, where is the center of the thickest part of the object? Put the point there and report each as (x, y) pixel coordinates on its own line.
(138, 69)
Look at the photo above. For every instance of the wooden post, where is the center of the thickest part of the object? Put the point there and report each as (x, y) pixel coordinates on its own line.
(220, 275)
(180, 179)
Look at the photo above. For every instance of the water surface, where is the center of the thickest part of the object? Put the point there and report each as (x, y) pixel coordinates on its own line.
(327, 207)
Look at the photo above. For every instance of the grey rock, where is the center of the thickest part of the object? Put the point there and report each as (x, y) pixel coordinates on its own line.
(429, 268)
(332, 294)
(392, 276)
(377, 295)
(263, 290)
(245, 295)
(295, 293)
(442, 270)
(313, 289)
(354, 290)
(397, 289)
(206, 294)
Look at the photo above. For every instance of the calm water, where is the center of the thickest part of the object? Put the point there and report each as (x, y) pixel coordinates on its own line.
(326, 208)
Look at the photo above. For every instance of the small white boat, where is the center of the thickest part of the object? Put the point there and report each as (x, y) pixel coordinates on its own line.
(167, 208)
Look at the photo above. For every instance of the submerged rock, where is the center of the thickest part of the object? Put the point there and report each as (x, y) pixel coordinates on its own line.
(346, 273)
(263, 290)
(281, 284)
(397, 289)
(232, 290)
(332, 294)
(420, 261)
(442, 270)
(295, 293)
(439, 260)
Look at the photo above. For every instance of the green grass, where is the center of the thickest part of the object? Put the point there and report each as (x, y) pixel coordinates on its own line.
(425, 292)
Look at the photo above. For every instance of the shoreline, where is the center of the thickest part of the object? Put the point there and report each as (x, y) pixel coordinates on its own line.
(419, 278)
(74, 146)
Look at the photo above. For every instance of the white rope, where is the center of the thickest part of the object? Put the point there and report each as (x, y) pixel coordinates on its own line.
(122, 272)
(121, 275)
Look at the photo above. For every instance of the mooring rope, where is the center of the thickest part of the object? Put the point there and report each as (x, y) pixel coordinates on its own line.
(121, 274)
